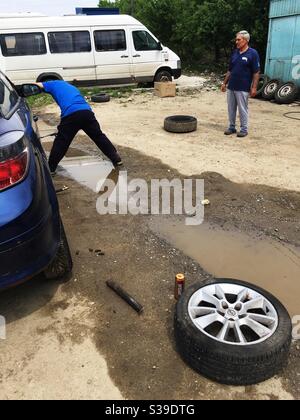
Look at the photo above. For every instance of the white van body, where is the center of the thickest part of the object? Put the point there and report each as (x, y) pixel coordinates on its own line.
(84, 50)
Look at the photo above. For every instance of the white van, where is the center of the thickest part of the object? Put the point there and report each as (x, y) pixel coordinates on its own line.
(84, 50)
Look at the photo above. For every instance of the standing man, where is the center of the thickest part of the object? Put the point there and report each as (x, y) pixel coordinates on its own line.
(76, 114)
(242, 79)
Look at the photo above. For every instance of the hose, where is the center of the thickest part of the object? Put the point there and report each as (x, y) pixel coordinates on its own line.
(287, 115)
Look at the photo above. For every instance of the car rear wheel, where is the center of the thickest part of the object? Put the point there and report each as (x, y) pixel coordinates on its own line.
(62, 264)
(232, 332)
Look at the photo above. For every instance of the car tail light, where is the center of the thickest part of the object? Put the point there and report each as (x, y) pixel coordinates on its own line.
(14, 159)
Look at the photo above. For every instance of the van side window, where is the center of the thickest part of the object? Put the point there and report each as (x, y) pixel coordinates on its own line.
(113, 40)
(143, 41)
(23, 44)
(8, 98)
(69, 42)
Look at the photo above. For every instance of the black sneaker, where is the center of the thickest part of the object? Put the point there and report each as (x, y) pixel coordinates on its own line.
(229, 132)
(242, 134)
(117, 161)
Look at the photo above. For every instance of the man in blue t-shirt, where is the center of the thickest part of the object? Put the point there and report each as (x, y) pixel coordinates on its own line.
(76, 114)
(242, 80)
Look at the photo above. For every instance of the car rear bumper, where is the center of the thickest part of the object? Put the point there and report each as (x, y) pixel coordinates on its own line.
(29, 254)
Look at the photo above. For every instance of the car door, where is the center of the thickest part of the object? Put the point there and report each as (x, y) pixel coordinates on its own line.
(146, 54)
(112, 55)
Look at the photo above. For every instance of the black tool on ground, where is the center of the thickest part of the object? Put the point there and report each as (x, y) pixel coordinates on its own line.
(48, 135)
(124, 295)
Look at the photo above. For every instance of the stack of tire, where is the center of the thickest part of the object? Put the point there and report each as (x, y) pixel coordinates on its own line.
(275, 89)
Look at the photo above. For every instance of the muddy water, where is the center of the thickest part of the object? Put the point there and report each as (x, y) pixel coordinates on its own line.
(266, 263)
(88, 171)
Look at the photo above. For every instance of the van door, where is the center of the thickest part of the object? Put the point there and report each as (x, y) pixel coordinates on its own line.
(112, 57)
(71, 54)
(147, 54)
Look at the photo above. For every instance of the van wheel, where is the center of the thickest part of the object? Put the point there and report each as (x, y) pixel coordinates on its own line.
(100, 97)
(287, 93)
(180, 124)
(271, 88)
(232, 332)
(62, 264)
(162, 75)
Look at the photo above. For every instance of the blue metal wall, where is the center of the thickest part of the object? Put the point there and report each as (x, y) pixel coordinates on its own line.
(283, 54)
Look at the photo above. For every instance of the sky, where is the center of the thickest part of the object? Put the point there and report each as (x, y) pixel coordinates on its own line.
(47, 7)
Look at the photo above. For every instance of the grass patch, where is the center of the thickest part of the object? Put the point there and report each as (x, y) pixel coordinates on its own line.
(38, 101)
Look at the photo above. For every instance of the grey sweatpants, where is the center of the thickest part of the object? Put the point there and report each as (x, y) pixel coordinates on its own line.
(238, 100)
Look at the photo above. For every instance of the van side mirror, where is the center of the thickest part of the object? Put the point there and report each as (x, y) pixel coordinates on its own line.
(160, 48)
(29, 89)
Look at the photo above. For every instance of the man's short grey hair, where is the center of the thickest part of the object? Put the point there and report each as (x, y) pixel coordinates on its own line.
(245, 34)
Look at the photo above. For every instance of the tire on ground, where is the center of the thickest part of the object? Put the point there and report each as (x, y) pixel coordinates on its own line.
(62, 264)
(231, 364)
(287, 93)
(271, 88)
(263, 80)
(180, 124)
(100, 97)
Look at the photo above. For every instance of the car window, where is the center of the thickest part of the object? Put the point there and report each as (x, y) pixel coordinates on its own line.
(23, 44)
(143, 41)
(69, 42)
(8, 97)
(110, 40)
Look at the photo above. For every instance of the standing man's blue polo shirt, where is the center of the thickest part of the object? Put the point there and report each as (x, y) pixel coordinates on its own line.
(242, 68)
(68, 97)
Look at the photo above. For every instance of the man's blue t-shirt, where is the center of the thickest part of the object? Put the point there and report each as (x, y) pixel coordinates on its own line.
(242, 68)
(68, 97)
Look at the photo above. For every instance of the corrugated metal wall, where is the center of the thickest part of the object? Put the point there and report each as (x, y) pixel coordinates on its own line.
(284, 8)
(283, 54)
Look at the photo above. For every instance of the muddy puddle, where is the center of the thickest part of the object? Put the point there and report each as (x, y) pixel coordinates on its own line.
(266, 263)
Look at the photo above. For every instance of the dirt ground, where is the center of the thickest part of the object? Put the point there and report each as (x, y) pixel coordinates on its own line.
(79, 340)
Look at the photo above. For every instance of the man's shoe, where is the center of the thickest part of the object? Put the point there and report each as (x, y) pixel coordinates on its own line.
(242, 134)
(118, 164)
(229, 132)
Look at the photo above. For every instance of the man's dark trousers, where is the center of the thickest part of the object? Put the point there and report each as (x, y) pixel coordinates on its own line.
(67, 130)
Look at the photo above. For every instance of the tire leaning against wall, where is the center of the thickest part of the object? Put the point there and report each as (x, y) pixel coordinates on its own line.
(263, 80)
(287, 93)
(271, 88)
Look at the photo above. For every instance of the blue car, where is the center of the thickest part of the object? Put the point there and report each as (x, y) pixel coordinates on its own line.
(32, 237)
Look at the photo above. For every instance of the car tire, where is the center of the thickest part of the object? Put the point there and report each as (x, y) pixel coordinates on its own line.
(62, 264)
(224, 360)
(263, 80)
(162, 76)
(287, 93)
(180, 124)
(270, 89)
(100, 98)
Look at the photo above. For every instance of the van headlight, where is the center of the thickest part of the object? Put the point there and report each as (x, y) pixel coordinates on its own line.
(179, 64)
